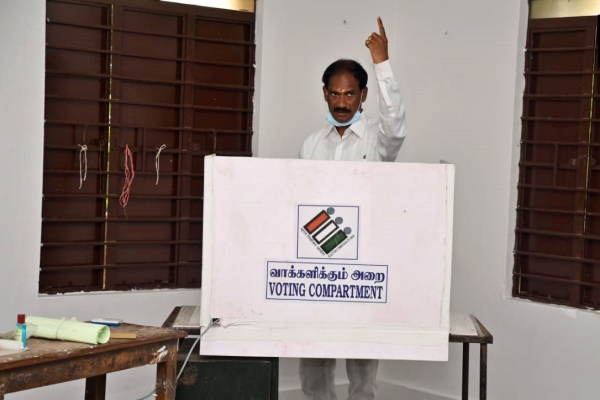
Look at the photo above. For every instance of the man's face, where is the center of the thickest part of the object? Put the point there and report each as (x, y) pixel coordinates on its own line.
(343, 96)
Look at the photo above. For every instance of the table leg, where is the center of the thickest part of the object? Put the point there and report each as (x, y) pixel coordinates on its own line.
(465, 372)
(166, 372)
(483, 372)
(95, 387)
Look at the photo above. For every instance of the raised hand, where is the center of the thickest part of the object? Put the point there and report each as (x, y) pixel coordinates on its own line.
(378, 44)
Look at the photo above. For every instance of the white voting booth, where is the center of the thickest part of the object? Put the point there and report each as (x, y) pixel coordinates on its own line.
(326, 259)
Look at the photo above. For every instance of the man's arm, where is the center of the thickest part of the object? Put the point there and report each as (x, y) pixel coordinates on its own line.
(392, 118)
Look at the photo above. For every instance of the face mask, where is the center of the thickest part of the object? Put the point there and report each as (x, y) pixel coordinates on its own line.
(356, 117)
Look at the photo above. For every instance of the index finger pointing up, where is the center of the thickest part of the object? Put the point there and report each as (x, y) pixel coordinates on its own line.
(381, 28)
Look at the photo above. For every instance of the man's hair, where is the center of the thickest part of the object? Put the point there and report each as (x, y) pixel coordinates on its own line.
(350, 66)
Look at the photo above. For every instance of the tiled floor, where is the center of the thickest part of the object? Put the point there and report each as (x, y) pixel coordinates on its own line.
(386, 391)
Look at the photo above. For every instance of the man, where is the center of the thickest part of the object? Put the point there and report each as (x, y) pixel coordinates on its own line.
(350, 136)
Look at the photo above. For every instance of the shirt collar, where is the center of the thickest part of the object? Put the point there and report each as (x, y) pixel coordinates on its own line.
(358, 128)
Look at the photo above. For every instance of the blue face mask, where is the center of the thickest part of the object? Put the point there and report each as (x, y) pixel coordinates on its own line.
(356, 117)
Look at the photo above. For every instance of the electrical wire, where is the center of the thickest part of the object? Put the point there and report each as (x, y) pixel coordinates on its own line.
(153, 392)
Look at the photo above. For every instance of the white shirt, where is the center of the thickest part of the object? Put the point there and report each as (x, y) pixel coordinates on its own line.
(366, 139)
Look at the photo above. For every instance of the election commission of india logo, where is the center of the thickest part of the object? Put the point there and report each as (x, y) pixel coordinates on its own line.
(329, 232)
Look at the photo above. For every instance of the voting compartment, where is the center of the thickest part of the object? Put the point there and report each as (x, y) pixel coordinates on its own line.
(326, 259)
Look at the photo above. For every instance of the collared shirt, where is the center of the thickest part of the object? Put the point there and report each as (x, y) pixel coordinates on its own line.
(366, 139)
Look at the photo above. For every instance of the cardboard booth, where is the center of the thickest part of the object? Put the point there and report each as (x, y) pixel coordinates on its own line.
(326, 259)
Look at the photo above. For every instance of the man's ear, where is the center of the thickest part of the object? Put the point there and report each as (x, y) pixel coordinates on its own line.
(364, 93)
(325, 93)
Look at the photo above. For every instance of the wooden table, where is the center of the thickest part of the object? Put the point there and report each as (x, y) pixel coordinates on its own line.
(48, 362)
(466, 329)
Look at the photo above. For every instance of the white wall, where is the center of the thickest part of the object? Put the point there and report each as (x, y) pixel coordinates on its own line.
(460, 65)
(299, 40)
(22, 53)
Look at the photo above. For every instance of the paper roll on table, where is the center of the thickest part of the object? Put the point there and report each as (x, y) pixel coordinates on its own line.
(50, 328)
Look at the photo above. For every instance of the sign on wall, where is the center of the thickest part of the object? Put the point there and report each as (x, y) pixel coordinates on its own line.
(326, 259)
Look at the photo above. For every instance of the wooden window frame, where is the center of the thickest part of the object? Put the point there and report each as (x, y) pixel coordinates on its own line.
(137, 74)
(557, 235)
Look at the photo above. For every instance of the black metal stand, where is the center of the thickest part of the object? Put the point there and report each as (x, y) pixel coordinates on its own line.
(482, 337)
(472, 332)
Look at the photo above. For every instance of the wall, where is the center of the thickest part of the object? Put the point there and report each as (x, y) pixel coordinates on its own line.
(299, 40)
(22, 53)
(460, 65)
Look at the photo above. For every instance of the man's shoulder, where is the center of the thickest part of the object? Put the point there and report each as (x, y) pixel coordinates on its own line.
(312, 141)
(315, 135)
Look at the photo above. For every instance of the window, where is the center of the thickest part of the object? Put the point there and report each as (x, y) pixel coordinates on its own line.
(557, 249)
(144, 89)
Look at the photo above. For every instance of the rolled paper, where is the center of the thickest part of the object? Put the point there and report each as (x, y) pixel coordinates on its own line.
(50, 328)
